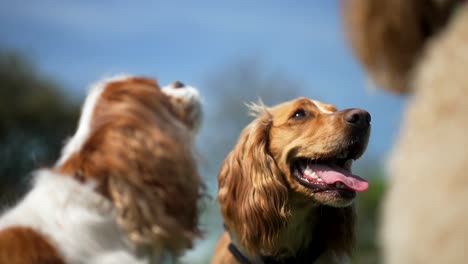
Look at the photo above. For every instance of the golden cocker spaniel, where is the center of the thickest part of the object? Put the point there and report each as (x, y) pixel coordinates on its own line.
(286, 189)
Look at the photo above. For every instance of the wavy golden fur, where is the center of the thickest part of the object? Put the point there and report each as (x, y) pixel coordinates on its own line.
(264, 208)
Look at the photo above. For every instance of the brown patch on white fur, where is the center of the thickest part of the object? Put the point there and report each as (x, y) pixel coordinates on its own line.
(266, 210)
(23, 245)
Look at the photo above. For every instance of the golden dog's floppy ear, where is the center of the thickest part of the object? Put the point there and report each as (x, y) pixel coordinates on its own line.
(252, 192)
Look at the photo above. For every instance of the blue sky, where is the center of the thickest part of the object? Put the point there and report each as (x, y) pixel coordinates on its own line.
(77, 42)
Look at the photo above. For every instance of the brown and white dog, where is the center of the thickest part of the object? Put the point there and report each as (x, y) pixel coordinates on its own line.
(126, 187)
(286, 189)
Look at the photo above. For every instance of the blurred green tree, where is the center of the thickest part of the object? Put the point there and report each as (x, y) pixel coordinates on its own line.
(35, 118)
(368, 211)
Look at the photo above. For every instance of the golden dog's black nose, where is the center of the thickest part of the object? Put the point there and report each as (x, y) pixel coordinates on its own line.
(357, 118)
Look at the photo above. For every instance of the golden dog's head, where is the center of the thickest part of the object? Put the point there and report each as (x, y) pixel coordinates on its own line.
(294, 155)
(314, 146)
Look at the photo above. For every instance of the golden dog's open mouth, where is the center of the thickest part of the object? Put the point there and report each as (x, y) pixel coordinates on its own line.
(329, 174)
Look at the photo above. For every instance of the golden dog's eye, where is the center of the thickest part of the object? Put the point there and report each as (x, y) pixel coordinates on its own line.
(299, 113)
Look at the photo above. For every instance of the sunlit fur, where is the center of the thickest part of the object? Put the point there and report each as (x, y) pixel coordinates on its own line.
(267, 211)
(126, 187)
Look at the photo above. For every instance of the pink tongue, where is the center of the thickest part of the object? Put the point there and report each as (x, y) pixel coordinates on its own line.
(332, 174)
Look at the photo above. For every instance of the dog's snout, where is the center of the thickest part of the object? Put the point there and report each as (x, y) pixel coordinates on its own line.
(177, 85)
(357, 117)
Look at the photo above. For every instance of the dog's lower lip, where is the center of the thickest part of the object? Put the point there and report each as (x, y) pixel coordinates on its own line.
(344, 193)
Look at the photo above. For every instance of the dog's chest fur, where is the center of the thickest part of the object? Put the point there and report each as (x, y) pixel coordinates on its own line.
(79, 222)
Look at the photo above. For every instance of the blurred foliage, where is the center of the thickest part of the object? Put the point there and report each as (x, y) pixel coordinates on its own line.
(35, 119)
(368, 212)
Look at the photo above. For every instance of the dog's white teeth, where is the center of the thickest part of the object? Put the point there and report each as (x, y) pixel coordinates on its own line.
(308, 171)
(316, 177)
(312, 174)
(343, 155)
(340, 185)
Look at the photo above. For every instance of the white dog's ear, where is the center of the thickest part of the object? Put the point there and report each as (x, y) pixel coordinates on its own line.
(252, 192)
